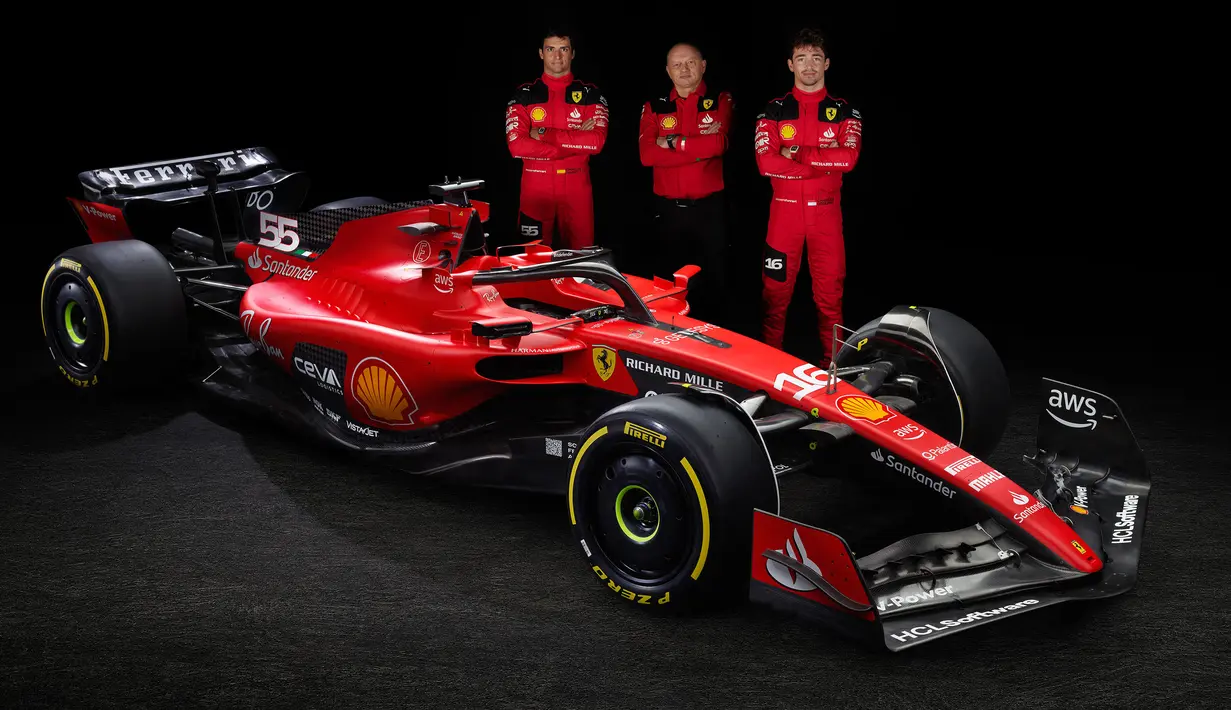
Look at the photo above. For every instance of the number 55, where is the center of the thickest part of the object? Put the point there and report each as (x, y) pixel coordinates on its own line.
(277, 227)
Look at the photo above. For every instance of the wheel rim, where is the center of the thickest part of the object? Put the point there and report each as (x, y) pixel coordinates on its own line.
(643, 518)
(76, 338)
(637, 513)
(75, 323)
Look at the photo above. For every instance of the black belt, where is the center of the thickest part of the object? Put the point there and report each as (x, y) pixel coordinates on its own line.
(686, 202)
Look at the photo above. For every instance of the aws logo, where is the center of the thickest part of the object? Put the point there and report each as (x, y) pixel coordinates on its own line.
(1073, 405)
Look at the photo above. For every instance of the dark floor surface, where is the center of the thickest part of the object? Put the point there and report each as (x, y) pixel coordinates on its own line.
(156, 552)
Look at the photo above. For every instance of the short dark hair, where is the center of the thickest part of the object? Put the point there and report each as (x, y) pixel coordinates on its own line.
(555, 32)
(808, 37)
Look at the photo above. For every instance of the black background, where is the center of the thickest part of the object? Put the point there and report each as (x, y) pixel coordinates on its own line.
(1021, 168)
(998, 180)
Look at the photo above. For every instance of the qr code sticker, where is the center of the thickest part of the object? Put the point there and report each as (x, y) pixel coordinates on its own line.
(554, 448)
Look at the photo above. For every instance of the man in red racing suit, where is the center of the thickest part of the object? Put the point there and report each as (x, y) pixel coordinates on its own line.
(683, 137)
(554, 124)
(805, 141)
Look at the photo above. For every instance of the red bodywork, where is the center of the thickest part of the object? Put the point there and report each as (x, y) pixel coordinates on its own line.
(405, 327)
(813, 547)
(103, 223)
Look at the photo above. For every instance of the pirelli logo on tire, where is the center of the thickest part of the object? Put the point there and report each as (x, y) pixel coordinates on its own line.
(628, 593)
(647, 435)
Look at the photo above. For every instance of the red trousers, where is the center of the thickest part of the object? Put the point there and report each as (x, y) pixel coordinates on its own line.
(794, 223)
(560, 197)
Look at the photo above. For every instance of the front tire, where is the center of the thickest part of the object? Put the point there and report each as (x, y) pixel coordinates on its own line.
(661, 498)
(965, 393)
(113, 315)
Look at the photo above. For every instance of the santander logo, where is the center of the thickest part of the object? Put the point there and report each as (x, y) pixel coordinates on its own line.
(1026, 512)
(282, 268)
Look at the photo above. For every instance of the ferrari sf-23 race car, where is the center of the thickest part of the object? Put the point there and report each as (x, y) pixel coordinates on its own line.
(394, 330)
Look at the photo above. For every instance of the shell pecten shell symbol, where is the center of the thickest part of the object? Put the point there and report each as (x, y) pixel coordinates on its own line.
(382, 393)
(864, 408)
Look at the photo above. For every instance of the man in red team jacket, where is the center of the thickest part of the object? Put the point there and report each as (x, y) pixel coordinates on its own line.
(683, 136)
(805, 141)
(554, 124)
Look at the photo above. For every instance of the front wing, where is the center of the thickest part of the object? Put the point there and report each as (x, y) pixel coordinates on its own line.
(928, 586)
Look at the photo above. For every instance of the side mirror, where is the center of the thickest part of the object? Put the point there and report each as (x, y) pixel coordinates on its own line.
(683, 275)
(501, 327)
(419, 229)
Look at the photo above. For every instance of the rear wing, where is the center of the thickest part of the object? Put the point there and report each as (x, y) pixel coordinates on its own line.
(175, 180)
(149, 201)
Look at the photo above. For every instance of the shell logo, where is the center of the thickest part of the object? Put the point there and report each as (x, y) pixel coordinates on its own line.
(866, 408)
(1079, 509)
(382, 393)
(787, 131)
(668, 122)
(538, 113)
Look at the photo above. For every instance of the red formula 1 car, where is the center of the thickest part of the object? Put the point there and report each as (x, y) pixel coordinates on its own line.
(393, 329)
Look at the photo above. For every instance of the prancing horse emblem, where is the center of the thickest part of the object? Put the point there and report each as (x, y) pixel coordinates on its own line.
(604, 362)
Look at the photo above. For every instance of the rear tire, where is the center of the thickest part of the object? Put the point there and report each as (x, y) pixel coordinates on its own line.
(113, 315)
(976, 418)
(661, 498)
